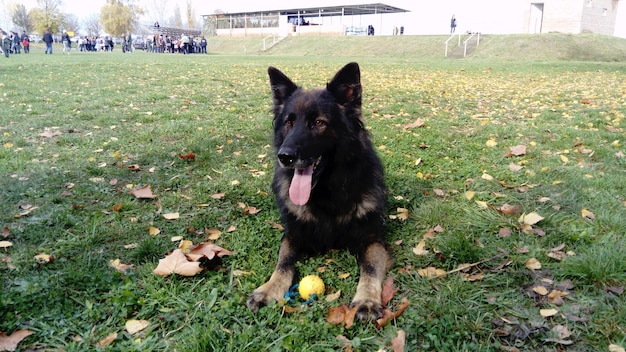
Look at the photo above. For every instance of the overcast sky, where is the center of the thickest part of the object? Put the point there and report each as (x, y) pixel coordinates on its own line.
(425, 17)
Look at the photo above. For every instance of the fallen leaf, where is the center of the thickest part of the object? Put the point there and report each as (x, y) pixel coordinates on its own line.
(107, 340)
(616, 348)
(415, 124)
(119, 266)
(507, 209)
(420, 248)
(134, 326)
(431, 272)
(388, 291)
(5, 244)
(10, 342)
(153, 231)
(343, 276)
(504, 232)
(177, 263)
(549, 312)
(587, 214)
(540, 290)
(189, 156)
(143, 192)
(49, 134)
(218, 195)
(469, 195)
(117, 207)
(333, 296)
(275, 225)
(533, 264)
(209, 250)
(486, 177)
(389, 317)
(171, 216)
(530, 219)
(5, 232)
(214, 234)
(44, 258)
(398, 342)
(518, 150)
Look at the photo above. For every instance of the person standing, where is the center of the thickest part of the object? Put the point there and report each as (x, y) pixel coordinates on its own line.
(203, 44)
(17, 45)
(25, 42)
(6, 43)
(452, 24)
(47, 38)
(67, 42)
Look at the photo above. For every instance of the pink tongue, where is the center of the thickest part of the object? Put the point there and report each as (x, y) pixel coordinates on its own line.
(300, 188)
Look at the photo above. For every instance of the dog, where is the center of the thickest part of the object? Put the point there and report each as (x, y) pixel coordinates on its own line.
(329, 186)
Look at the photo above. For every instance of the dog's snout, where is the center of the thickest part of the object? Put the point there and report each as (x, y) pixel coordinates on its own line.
(287, 156)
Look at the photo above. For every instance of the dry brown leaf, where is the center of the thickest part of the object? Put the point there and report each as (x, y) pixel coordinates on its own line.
(143, 192)
(153, 231)
(507, 209)
(415, 124)
(398, 342)
(530, 218)
(134, 326)
(420, 249)
(518, 150)
(189, 156)
(275, 225)
(333, 296)
(107, 340)
(209, 250)
(177, 263)
(388, 315)
(10, 342)
(214, 234)
(119, 266)
(5, 232)
(49, 134)
(431, 272)
(388, 291)
(171, 216)
(540, 290)
(588, 214)
(504, 232)
(218, 195)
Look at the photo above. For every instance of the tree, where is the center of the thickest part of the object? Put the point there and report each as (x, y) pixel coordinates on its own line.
(70, 22)
(46, 15)
(119, 17)
(177, 20)
(158, 10)
(92, 25)
(19, 16)
(191, 16)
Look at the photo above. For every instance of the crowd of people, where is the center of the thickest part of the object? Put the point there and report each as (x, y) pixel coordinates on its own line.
(14, 43)
(185, 44)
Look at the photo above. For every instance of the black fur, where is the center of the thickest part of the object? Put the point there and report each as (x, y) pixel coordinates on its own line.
(322, 130)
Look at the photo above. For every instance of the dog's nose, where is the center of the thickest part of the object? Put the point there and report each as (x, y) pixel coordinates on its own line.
(287, 156)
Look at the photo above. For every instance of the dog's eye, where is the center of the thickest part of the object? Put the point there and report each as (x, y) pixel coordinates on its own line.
(320, 123)
(289, 123)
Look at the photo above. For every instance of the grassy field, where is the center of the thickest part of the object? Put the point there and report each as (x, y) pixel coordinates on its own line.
(515, 167)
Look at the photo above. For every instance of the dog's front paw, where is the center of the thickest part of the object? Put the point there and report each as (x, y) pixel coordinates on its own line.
(368, 310)
(263, 295)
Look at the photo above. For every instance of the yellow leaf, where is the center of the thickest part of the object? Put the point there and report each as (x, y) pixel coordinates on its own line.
(185, 245)
(153, 231)
(171, 216)
(214, 234)
(530, 218)
(343, 276)
(548, 312)
(333, 296)
(469, 195)
(486, 177)
(119, 266)
(491, 143)
(564, 158)
(533, 264)
(431, 272)
(134, 326)
(540, 290)
(587, 214)
(481, 204)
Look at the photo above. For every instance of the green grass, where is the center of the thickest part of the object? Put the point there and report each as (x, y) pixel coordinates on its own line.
(117, 110)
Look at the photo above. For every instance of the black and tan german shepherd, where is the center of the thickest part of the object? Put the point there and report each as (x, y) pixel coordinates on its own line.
(328, 184)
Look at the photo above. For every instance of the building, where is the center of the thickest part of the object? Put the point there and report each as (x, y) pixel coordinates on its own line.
(430, 18)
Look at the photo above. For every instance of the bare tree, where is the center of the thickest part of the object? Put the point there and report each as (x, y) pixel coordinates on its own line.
(158, 10)
(70, 22)
(177, 19)
(92, 25)
(19, 16)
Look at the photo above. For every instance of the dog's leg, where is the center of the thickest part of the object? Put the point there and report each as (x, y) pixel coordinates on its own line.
(282, 277)
(373, 265)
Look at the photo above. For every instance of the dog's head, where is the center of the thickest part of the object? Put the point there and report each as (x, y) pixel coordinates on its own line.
(311, 125)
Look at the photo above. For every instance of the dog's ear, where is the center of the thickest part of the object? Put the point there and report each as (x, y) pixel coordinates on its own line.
(346, 85)
(282, 86)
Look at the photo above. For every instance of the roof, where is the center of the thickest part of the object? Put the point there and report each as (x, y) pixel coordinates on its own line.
(347, 10)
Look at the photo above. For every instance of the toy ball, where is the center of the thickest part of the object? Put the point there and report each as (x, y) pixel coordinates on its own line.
(310, 285)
